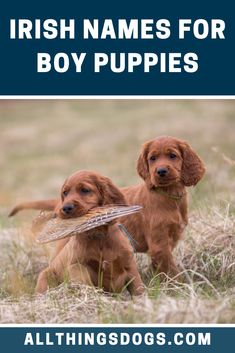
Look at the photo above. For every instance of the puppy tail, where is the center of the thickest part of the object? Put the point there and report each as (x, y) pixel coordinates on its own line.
(43, 205)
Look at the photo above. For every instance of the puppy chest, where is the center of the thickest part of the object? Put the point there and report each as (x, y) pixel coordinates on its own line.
(171, 223)
(106, 266)
(169, 213)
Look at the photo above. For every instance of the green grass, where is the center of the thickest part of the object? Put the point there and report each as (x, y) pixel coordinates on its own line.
(42, 142)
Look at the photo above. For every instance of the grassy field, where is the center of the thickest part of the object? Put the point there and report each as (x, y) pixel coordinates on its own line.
(42, 142)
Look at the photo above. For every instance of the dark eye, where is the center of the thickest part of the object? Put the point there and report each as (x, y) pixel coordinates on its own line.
(153, 158)
(172, 155)
(65, 192)
(85, 190)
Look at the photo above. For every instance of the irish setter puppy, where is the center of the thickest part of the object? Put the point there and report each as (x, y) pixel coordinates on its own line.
(167, 166)
(102, 256)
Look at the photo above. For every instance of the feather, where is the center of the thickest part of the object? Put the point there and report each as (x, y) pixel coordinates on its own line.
(57, 228)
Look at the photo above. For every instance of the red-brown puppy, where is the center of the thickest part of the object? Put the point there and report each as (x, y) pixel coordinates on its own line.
(167, 165)
(102, 256)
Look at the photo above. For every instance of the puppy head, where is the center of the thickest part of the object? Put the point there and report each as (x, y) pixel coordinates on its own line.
(85, 190)
(166, 161)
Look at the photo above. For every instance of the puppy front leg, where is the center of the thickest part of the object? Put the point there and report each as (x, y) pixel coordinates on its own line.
(46, 279)
(79, 274)
(160, 251)
(54, 274)
(135, 286)
(163, 262)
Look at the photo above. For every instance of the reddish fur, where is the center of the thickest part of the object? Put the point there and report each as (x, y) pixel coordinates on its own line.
(48, 205)
(160, 225)
(85, 255)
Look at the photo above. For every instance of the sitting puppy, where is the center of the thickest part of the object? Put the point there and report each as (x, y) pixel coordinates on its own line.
(102, 256)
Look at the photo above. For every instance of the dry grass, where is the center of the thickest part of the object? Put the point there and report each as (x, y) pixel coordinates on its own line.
(206, 295)
(43, 142)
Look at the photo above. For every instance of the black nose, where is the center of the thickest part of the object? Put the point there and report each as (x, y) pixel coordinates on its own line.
(68, 208)
(161, 172)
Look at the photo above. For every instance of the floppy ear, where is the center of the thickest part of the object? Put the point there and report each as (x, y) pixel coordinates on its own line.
(193, 167)
(142, 165)
(110, 193)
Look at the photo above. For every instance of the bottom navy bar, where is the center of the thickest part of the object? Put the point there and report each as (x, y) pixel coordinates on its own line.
(113, 339)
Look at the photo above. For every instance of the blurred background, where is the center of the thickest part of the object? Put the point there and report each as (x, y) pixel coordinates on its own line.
(44, 141)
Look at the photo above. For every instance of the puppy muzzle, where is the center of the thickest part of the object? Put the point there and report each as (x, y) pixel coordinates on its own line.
(71, 210)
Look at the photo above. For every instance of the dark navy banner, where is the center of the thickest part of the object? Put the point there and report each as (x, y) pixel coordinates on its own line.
(114, 339)
(117, 48)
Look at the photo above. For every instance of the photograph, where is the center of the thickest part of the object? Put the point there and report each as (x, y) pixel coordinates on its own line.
(117, 211)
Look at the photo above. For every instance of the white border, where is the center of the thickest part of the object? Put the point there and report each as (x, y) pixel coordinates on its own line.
(31, 325)
(50, 97)
(115, 97)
